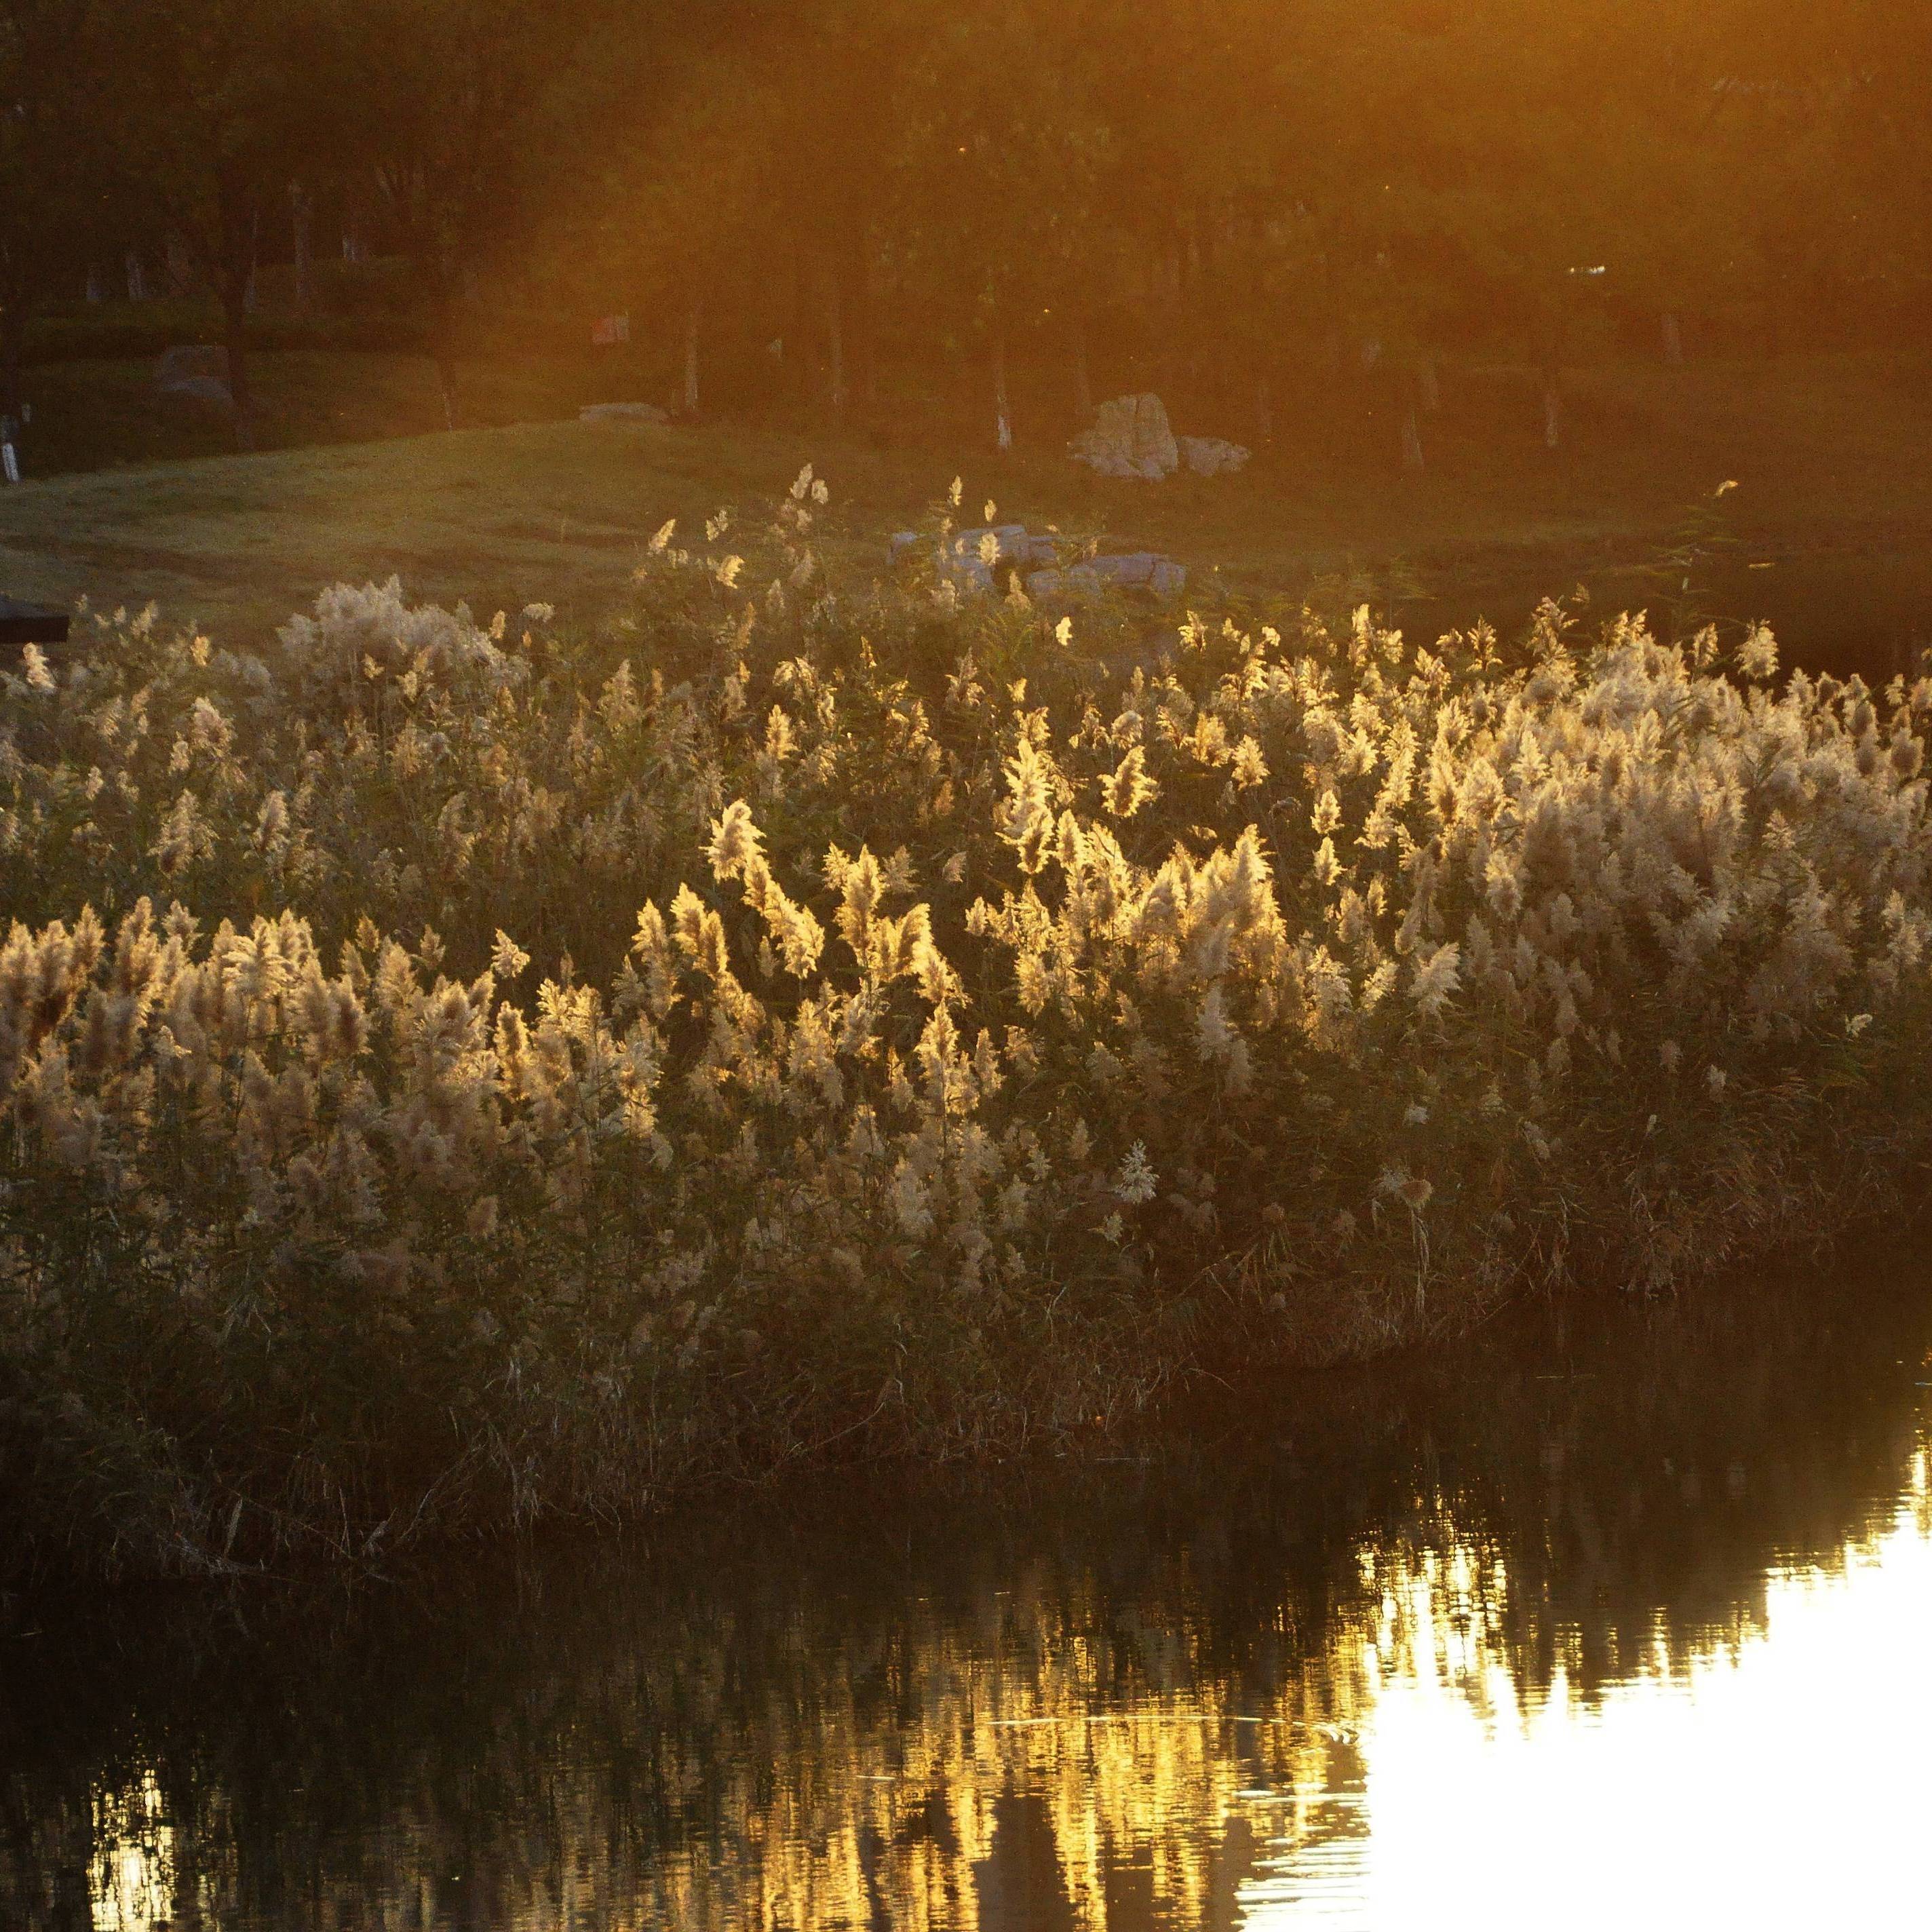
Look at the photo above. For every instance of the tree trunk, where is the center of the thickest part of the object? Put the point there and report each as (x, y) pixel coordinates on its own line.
(1187, 299)
(835, 333)
(251, 291)
(12, 327)
(864, 344)
(1208, 357)
(693, 322)
(1412, 442)
(798, 336)
(1673, 338)
(1336, 349)
(235, 337)
(1083, 379)
(1261, 339)
(443, 279)
(303, 210)
(1000, 405)
(1548, 344)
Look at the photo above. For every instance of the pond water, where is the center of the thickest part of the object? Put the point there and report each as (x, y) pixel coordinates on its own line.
(1866, 610)
(1620, 1619)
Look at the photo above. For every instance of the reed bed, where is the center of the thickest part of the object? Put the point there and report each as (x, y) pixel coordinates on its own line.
(456, 1074)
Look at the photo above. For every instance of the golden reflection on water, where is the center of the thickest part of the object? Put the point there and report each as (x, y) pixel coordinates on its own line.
(1406, 1777)
(1467, 1717)
(132, 1880)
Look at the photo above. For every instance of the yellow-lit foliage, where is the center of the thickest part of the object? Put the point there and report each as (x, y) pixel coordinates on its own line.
(949, 1024)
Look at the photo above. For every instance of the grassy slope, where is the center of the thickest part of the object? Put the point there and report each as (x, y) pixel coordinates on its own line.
(96, 413)
(1828, 454)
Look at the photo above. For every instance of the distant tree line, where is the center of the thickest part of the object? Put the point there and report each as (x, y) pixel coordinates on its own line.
(816, 196)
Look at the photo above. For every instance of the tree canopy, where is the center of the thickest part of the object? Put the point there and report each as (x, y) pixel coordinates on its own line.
(801, 192)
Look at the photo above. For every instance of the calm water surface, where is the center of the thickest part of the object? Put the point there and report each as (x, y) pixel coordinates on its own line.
(1865, 610)
(1623, 1624)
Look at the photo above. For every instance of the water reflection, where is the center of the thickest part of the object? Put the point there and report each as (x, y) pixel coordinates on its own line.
(1856, 610)
(1627, 1626)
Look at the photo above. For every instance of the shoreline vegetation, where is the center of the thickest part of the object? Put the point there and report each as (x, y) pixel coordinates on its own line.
(459, 1074)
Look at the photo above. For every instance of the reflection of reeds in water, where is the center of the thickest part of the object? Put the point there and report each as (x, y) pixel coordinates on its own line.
(1037, 1762)
(133, 1882)
(1151, 1704)
(995, 1786)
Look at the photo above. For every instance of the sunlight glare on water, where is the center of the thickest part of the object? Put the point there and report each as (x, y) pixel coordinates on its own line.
(1781, 1780)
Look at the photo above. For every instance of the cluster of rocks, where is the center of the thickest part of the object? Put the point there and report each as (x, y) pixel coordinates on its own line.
(1138, 570)
(980, 560)
(1132, 439)
(636, 412)
(1213, 455)
(196, 373)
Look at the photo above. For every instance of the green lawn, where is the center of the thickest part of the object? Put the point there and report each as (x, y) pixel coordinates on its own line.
(96, 413)
(1828, 454)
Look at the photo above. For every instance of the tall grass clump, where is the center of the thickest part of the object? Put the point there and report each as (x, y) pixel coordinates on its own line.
(456, 1074)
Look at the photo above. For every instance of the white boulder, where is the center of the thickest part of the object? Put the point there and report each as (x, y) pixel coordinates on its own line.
(196, 371)
(1211, 456)
(1140, 570)
(603, 412)
(1131, 438)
